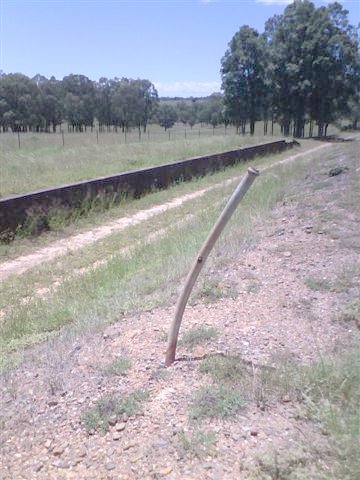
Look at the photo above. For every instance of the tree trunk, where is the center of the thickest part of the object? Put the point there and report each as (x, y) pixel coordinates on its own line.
(320, 129)
(252, 127)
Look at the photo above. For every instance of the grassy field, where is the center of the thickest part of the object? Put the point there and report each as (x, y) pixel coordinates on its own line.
(43, 161)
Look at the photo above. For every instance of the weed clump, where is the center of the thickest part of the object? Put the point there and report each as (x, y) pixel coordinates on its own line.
(199, 444)
(110, 407)
(117, 367)
(197, 335)
(214, 401)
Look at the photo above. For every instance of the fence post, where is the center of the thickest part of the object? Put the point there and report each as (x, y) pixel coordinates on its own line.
(63, 138)
(205, 250)
(19, 140)
(97, 136)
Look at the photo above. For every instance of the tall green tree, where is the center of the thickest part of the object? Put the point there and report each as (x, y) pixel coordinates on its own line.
(335, 67)
(313, 65)
(243, 77)
(19, 103)
(290, 64)
(79, 101)
(51, 102)
(166, 116)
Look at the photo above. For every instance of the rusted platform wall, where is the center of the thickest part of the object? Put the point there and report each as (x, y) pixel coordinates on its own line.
(16, 210)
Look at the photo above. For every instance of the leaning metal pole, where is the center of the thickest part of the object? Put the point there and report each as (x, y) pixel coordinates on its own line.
(204, 252)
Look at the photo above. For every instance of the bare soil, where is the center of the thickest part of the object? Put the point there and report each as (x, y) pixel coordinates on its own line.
(274, 314)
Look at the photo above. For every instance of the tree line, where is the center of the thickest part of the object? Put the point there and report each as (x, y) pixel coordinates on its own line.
(40, 104)
(303, 69)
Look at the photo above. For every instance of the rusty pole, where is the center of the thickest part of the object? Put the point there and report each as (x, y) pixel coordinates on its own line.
(205, 250)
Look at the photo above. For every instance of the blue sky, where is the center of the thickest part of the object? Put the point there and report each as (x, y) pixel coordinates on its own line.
(178, 45)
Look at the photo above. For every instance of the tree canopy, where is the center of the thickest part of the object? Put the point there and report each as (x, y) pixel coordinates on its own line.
(304, 67)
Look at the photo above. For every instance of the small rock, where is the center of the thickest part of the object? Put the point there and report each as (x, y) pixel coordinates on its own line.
(47, 444)
(161, 442)
(113, 421)
(120, 427)
(58, 451)
(165, 471)
(254, 433)
(129, 445)
(60, 464)
(287, 254)
(286, 398)
(116, 436)
(110, 452)
(136, 458)
(38, 467)
(110, 466)
(82, 453)
(52, 403)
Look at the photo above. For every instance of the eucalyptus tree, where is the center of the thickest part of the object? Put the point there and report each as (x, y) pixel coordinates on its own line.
(148, 101)
(335, 67)
(51, 103)
(290, 63)
(210, 110)
(19, 103)
(243, 77)
(166, 116)
(313, 64)
(183, 111)
(103, 99)
(79, 101)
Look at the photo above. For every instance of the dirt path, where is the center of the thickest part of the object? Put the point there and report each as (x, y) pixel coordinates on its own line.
(275, 314)
(71, 244)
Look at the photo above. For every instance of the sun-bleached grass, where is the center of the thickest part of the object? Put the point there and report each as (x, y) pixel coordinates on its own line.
(43, 162)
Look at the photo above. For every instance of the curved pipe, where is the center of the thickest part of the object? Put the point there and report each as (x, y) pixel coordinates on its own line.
(204, 252)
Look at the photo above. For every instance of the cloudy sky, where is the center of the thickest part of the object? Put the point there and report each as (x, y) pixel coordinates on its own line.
(176, 44)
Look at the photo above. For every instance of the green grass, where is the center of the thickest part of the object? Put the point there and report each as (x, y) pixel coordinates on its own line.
(112, 407)
(318, 284)
(329, 394)
(43, 162)
(225, 370)
(326, 394)
(213, 289)
(117, 367)
(197, 335)
(216, 401)
(199, 444)
(351, 312)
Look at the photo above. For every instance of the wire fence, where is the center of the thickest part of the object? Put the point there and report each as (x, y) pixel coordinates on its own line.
(63, 138)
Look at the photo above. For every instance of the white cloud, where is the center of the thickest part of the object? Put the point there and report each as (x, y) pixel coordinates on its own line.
(186, 89)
